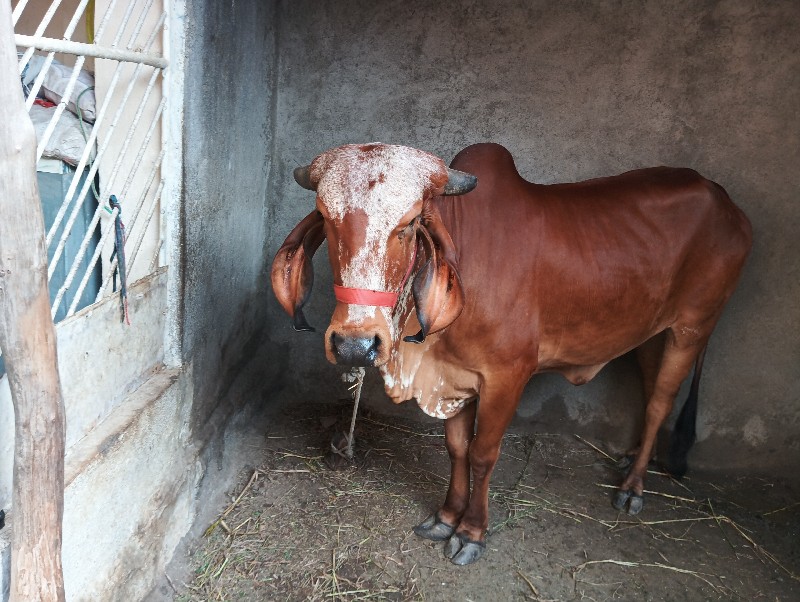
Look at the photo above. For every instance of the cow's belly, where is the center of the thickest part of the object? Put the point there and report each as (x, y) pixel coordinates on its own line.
(440, 388)
(577, 375)
(580, 358)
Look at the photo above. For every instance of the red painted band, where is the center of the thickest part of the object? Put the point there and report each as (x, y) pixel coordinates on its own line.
(360, 296)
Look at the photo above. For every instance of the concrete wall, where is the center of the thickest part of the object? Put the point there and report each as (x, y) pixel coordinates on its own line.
(131, 466)
(575, 90)
(100, 362)
(228, 120)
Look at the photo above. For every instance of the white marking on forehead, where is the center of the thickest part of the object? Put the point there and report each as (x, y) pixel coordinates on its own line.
(384, 181)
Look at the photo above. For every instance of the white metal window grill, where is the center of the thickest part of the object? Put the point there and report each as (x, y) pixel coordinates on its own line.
(122, 151)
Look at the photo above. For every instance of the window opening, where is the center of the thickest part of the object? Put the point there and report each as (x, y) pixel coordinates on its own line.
(95, 96)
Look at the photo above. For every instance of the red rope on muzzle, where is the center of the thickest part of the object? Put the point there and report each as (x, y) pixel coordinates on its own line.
(363, 296)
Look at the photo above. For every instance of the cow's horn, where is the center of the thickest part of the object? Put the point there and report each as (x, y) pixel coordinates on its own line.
(302, 175)
(458, 182)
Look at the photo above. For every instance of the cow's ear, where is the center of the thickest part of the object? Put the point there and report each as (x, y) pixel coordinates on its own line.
(292, 270)
(437, 290)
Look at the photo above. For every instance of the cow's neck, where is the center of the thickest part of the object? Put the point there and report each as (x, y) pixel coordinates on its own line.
(422, 372)
(400, 371)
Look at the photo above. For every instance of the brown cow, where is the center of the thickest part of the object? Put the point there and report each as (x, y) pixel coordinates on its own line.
(508, 280)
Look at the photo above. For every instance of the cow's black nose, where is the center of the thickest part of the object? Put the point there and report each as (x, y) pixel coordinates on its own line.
(355, 351)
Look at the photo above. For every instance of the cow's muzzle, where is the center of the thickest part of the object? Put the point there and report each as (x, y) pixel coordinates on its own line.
(355, 351)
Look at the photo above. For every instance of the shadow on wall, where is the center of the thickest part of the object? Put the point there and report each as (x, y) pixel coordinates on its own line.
(609, 408)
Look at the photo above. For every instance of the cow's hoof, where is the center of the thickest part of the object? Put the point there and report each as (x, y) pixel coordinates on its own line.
(461, 550)
(434, 529)
(635, 505)
(620, 499)
(628, 501)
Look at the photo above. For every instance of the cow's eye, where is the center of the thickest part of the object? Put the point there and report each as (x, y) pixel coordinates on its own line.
(408, 231)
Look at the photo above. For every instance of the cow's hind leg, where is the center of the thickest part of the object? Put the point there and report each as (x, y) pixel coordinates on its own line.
(458, 433)
(649, 355)
(682, 347)
(684, 431)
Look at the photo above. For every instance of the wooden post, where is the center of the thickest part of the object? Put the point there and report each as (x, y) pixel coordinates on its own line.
(28, 341)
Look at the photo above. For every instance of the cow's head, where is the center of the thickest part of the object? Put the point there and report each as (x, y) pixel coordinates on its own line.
(374, 205)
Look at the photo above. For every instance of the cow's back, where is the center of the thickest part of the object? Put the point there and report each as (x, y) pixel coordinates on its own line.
(576, 274)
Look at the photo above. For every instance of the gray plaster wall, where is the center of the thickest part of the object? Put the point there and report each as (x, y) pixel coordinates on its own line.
(575, 90)
(228, 125)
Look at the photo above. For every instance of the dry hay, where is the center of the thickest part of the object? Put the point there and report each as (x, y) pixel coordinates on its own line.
(295, 530)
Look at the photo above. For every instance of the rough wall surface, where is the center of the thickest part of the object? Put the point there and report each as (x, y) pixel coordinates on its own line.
(575, 90)
(116, 547)
(227, 157)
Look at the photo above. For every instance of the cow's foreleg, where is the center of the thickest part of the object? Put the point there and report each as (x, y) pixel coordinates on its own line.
(458, 433)
(676, 363)
(495, 412)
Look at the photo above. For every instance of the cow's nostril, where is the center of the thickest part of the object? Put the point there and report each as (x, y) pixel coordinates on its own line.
(355, 351)
(372, 352)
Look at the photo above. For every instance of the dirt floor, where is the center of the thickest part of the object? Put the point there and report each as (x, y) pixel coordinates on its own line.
(295, 529)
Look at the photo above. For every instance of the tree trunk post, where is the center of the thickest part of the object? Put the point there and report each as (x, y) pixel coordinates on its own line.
(28, 341)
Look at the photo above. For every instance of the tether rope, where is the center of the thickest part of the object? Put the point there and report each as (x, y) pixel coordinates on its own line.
(355, 376)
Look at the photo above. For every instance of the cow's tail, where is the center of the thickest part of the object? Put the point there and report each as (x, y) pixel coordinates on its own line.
(684, 433)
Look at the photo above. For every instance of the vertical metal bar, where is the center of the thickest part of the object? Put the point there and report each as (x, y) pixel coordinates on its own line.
(73, 23)
(126, 142)
(132, 222)
(137, 162)
(18, 10)
(93, 170)
(140, 23)
(154, 261)
(150, 211)
(125, 18)
(95, 255)
(100, 29)
(72, 205)
(37, 83)
(48, 16)
(42, 143)
(100, 152)
(93, 223)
